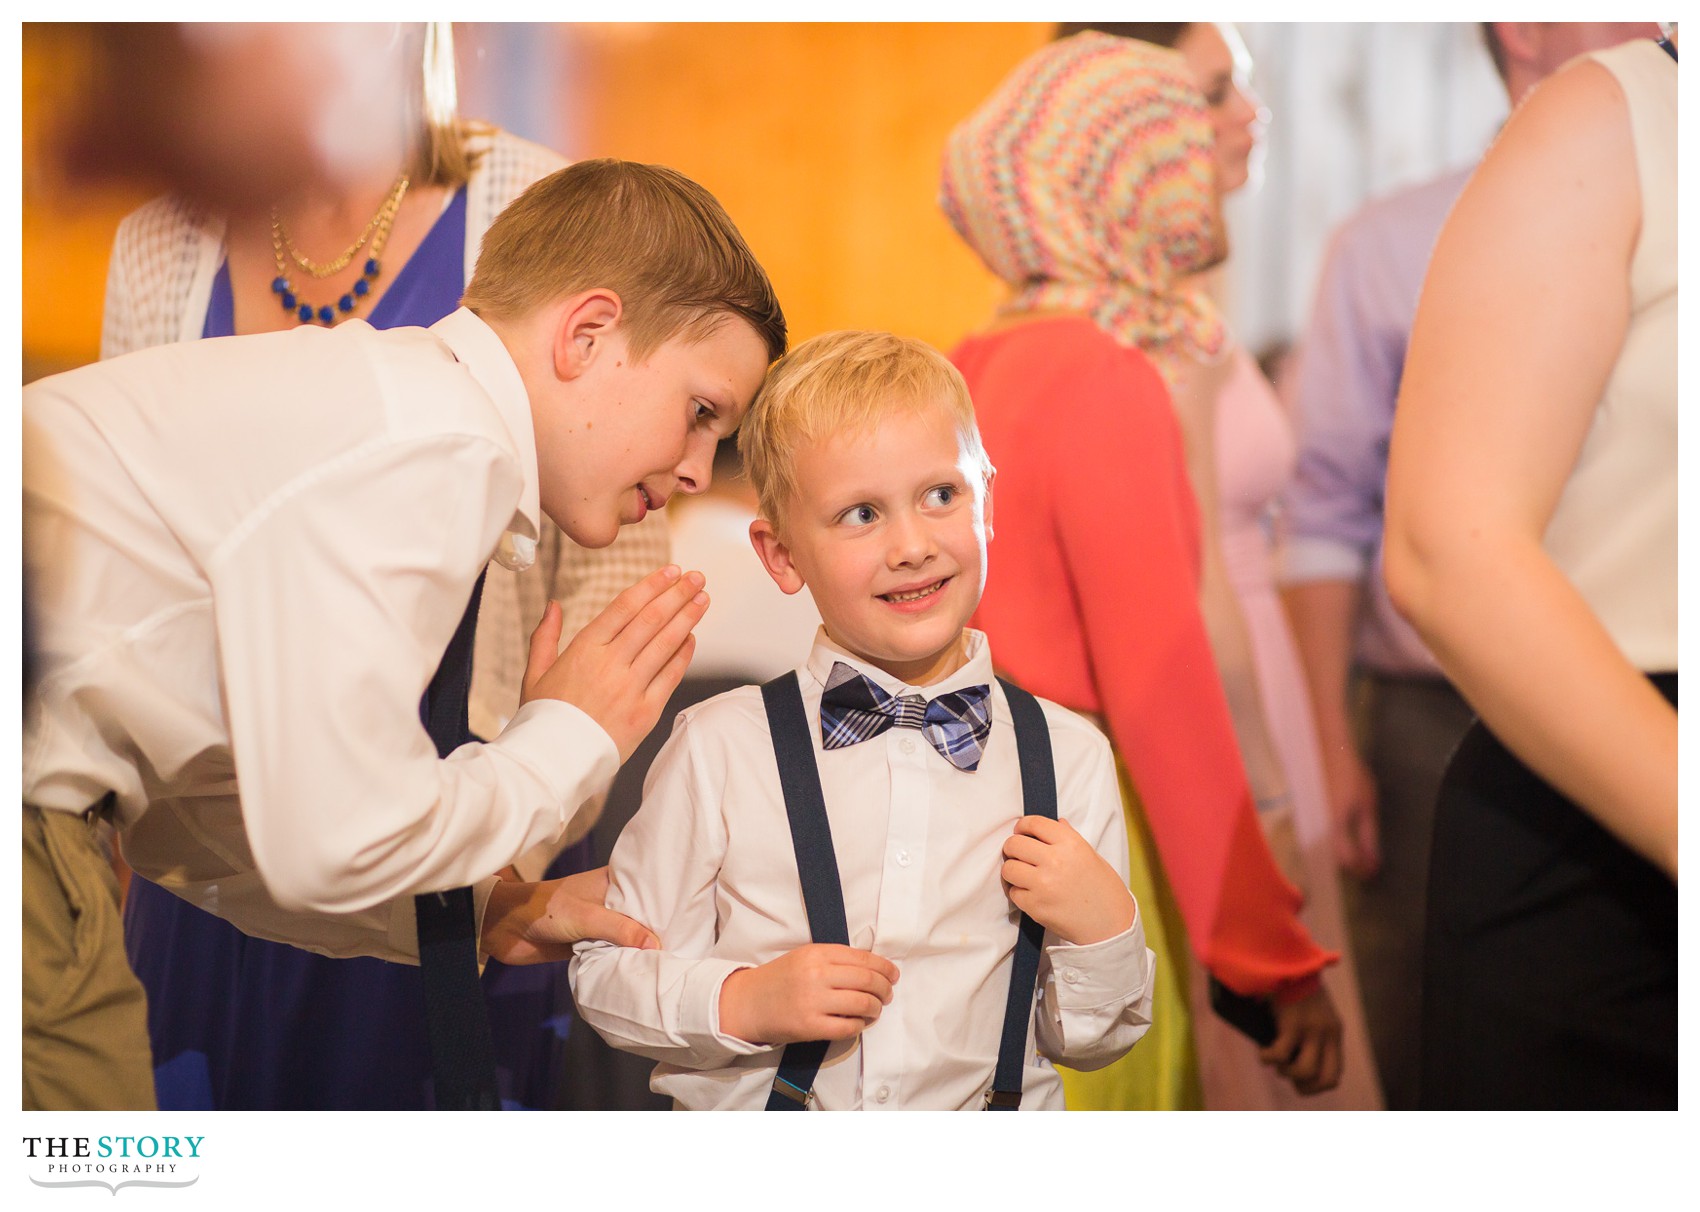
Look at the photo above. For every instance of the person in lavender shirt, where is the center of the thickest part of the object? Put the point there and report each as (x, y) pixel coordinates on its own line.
(1363, 661)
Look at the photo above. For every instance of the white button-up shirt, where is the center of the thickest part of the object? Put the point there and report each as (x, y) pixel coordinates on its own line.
(707, 863)
(245, 559)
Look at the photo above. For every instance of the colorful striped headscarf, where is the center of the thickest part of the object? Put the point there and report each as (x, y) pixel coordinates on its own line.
(1086, 181)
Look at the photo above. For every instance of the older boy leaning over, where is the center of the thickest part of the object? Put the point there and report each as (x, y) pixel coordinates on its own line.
(237, 608)
(875, 492)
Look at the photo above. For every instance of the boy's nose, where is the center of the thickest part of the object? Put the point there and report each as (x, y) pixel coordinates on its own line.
(696, 469)
(911, 541)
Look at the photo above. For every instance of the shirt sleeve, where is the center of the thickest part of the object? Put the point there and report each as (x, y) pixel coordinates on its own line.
(1127, 525)
(344, 800)
(665, 1004)
(1347, 380)
(1094, 1000)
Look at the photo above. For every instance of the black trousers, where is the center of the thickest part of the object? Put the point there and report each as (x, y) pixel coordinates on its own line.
(1549, 975)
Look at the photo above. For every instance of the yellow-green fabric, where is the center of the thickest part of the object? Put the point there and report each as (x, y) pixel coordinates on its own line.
(1161, 1072)
(85, 1028)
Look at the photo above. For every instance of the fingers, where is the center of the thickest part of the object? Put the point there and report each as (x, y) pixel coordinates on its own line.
(860, 980)
(624, 608)
(590, 920)
(1281, 1049)
(835, 1027)
(663, 647)
(545, 647)
(854, 957)
(848, 1003)
(1306, 1063)
(1333, 1062)
(1023, 849)
(1043, 828)
(630, 643)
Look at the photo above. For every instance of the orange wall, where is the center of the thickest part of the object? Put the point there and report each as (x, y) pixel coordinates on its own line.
(822, 140)
(67, 226)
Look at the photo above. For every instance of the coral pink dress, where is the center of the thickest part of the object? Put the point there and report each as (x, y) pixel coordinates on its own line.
(1255, 455)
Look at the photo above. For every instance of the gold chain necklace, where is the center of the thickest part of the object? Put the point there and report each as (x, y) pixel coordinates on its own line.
(382, 220)
(377, 233)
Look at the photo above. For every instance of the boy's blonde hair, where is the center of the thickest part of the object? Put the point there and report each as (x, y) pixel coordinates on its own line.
(845, 382)
(651, 235)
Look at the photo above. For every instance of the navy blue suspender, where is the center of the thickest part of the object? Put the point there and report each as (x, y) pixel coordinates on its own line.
(463, 1055)
(823, 895)
(1039, 796)
(817, 866)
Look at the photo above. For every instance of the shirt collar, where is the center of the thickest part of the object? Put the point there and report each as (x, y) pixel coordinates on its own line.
(477, 347)
(975, 671)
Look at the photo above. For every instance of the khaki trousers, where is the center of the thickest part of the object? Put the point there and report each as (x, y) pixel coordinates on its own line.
(84, 1013)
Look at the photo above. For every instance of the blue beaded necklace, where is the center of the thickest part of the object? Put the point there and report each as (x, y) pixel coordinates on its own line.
(376, 234)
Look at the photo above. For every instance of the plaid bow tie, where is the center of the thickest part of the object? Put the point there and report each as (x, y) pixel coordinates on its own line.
(854, 709)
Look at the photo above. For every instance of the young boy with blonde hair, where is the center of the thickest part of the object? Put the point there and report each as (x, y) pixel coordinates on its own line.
(856, 872)
(247, 557)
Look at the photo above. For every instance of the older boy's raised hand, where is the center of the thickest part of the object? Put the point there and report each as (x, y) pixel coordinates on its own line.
(1055, 877)
(818, 991)
(536, 923)
(1306, 1049)
(622, 667)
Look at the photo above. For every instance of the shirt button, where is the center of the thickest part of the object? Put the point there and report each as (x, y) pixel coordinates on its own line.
(908, 746)
(882, 1094)
(1071, 976)
(903, 859)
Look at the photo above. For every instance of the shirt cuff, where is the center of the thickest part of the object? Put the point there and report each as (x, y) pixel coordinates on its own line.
(699, 1008)
(1304, 558)
(1110, 972)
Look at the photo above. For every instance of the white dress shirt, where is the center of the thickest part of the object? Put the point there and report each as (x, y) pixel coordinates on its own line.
(707, 863)
(246, 557)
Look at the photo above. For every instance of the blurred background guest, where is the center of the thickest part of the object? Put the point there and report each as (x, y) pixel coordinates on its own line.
(239, 1022)
(1241, 450)
(1088, 184)
(1532, 540)
(1369, 673)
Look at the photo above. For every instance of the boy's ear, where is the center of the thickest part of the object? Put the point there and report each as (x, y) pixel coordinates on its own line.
(775, 556)
(582, 328)
(986, 499)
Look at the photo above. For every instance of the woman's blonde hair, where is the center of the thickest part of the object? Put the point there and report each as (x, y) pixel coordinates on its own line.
(435, 131)
(845, 382)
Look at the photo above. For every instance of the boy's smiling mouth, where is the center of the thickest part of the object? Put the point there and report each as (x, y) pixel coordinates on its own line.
(904, 597)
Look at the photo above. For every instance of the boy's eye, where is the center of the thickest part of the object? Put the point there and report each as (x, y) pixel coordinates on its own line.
(944, 494)
(704, 411)
(857, 515)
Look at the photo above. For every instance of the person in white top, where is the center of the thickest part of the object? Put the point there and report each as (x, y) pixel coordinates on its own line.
(1532, 541)
(237, 608)
(875, 492)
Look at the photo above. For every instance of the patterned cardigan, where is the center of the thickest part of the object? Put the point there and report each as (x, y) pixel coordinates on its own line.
(158, 286)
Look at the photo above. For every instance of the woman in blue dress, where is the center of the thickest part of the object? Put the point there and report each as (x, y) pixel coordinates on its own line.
(244, 1023)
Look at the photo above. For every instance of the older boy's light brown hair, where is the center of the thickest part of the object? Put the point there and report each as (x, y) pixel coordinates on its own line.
(845, 382)
(651, 235)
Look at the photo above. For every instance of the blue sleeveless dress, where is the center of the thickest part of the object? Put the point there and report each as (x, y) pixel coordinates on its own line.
(240, 1023)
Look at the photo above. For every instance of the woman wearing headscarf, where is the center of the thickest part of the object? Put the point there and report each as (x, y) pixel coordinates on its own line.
(1086, 182)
